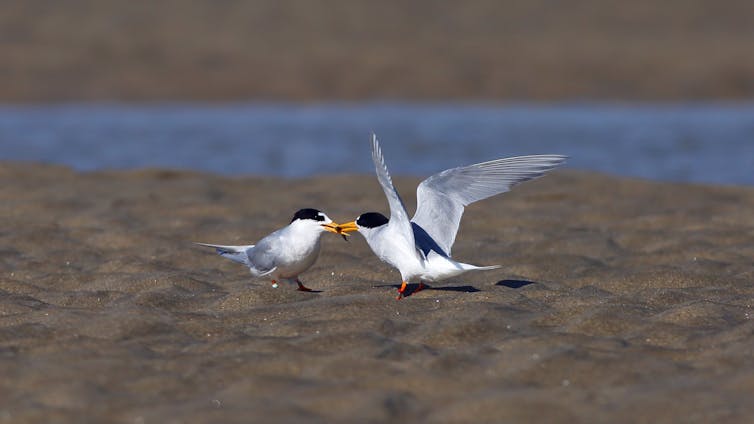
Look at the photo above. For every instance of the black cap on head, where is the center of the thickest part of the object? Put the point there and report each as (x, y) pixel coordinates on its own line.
(371, 220)
(309, 213)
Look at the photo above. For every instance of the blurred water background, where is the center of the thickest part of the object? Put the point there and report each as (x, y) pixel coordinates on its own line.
(702, 142)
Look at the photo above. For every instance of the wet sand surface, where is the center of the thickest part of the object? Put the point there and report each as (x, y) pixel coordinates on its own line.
(618, 301)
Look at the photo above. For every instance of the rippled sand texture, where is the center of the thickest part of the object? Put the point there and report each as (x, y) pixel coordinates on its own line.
(618, 301)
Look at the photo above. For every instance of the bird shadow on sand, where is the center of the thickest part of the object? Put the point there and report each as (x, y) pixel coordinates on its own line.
(464, 289)
(411, 288)
(283, 286)
(514, 284)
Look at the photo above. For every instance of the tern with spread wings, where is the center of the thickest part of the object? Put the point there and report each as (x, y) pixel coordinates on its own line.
(420, 248)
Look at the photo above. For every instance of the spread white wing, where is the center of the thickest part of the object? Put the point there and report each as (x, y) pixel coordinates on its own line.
(399, 222)
(441, 198)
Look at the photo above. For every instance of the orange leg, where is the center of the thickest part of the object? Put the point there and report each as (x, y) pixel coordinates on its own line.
(301, 287)
(401, 290)
(420, 287)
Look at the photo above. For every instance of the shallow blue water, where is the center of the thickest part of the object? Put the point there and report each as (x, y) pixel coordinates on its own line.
(711, 143)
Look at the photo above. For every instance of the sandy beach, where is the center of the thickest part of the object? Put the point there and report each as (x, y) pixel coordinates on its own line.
(618, 301)
(289, 50)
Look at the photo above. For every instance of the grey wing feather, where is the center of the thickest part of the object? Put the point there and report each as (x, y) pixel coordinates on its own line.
(257, 258)
(262, 258)
(442, 197)
(398, 215)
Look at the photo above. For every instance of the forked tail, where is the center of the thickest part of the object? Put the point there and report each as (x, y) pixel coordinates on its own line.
(441, 267)
(481, 268)
(234, 253)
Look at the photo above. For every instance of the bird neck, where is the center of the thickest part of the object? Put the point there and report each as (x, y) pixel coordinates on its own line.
(303, 234)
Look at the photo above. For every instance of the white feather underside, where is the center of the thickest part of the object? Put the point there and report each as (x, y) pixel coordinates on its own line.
(442, 197)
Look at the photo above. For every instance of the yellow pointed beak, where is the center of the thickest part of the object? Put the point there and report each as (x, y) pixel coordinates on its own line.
(336, 228)
(332, 227)
(348, 227)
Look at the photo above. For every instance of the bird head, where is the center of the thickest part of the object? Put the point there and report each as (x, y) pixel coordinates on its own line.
(365, 223)
(318, 220)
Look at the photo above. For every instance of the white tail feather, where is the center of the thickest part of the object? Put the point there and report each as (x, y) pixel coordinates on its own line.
(482, 268)
(234, 253)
